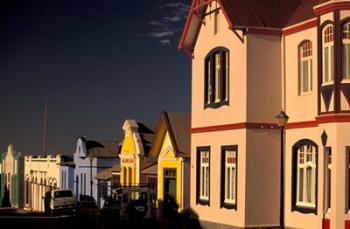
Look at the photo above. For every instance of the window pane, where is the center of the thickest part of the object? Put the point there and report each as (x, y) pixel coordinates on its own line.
(301, 184)
(346, 71)
(326, 71)
(332, 63)
(308, 185)
(217, 76)
(207, 181)
(305, 76)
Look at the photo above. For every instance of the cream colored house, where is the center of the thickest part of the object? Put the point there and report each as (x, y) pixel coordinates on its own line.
(250, 59)
(317, 100)
(11, 184)
(41, 174)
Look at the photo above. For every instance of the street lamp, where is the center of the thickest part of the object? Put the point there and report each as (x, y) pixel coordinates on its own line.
(281, 120)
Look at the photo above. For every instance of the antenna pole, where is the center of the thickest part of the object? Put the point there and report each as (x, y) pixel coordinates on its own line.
(45, 127)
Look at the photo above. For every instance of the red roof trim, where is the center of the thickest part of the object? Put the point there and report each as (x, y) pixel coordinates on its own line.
(187, 25)
(331, 7)
(193, 8)
(301, 27)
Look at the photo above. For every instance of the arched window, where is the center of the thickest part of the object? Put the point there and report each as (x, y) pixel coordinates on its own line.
(216, 88)
(328, 54)
(346, 51)
(305, 67)
(305, 176)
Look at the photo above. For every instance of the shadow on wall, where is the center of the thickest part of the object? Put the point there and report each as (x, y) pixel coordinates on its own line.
(168, 212)
(5, 202)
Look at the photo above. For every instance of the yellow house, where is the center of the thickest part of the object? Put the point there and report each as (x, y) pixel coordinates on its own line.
(134, 155)
(171, 147)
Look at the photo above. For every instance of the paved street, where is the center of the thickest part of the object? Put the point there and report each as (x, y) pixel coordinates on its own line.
(11, 217)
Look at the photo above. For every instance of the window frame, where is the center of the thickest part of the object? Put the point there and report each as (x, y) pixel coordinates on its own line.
(309, 61)
(345, 41)
(296, 206)
(199, 199)
(216, 87)
(223, 202)
(347, 180)
(331, 65)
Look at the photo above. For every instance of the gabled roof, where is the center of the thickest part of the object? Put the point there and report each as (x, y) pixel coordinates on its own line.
(102, 148)
(107, 173)
(304, 12)
(239, 13)
(151, 169)
(178, 125)
(146, 132)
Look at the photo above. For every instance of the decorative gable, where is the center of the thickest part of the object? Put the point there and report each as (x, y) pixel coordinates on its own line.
(167, 150)
(81, 148)
(132, 143)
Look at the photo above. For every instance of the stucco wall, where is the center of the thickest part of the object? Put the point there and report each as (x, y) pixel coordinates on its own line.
(214, 213)
(262, 177)
(236, 112)
(263, 78)
(300, 107)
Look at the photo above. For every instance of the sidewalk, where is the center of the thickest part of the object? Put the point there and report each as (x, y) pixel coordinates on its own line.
(11, 211)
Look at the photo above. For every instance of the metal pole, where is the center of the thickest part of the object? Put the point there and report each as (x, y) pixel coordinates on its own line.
(282, 181)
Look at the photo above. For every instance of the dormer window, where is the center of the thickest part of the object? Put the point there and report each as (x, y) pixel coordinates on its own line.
(328, 54)
(216, 78)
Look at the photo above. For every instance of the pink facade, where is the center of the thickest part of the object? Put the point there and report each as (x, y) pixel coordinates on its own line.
(246, 68)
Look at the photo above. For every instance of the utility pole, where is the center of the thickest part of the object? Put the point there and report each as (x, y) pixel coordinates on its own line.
(45, 127)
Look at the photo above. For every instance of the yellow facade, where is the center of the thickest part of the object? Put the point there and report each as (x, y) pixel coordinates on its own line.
(168, 160)
(128, 161)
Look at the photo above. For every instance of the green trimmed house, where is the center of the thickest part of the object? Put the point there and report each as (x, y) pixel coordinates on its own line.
(11, 180)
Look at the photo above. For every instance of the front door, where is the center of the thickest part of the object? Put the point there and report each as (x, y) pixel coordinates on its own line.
(170, 205)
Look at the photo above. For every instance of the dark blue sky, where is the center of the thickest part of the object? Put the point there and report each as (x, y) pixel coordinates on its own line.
(98, 61)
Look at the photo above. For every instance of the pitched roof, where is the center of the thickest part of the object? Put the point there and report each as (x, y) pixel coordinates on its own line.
(146, 132)
(180, 123)
(150, 170)
(240, 13)
(177, 124)
(260, 13)
(107, 173)
(304, 12)
(102, 148)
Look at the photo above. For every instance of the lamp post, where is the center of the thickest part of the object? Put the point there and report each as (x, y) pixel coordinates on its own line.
(324, 138)
(281, 120)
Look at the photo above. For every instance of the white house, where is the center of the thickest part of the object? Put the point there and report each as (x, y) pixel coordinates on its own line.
(90, 158)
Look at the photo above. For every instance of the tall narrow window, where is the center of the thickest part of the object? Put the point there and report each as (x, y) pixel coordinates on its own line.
(203, 175)
(229, 176)
(305, 67)
(328, 169)
(216, 22)
(216, 78)
(346, 51)
(217, 74)
(328, 54)
(305, 176)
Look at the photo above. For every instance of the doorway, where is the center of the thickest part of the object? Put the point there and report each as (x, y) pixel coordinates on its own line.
(170, 205)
